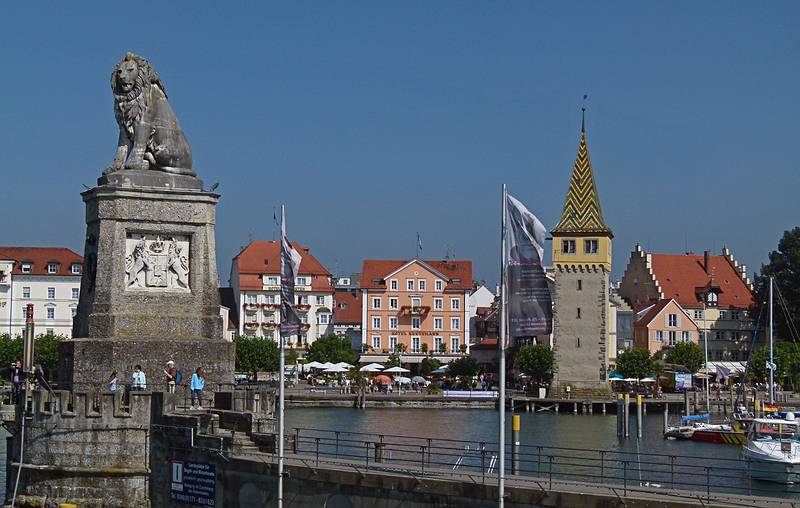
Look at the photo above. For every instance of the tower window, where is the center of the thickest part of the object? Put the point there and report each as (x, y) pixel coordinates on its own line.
(578, 342)
(568, 246)
(579, 313)
(590, 246)
(580, 284)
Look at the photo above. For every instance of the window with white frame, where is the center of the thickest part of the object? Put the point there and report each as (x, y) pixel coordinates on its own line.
(76, 268)
(590, 247)
(26, 267)
(723, 314)
(672, 320)
(320, 300)
(455, 323)
(51, 312)
(301, 281)
(410, 284)
(376, 323)
(421, 284)
(376, 342)
(323, 318)
(438, 303)
(393, 302)
(26, 292)
(437, 323)
(437, 344)
(735, 315)
(437, 285)
(673, 337)
(658, 335)
(455, 304)
(393, 343)
(52, 267)
(686, 336)
(376, 302)
(344, 281)
(568, 246)
(393, 284)
(76, 293)
(454, 344)
(302, 299)
(49, 332)
(393, 323)
(415, 344)
(51, 293)
(416, 301)
(698, 314)
(252, 298)
(272, 280)
(271, 299)
(415, 323)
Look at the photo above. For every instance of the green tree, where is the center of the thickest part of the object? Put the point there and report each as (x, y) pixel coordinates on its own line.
(687, 354)
(291, 356)
(402, 348)
(424, 348)
(466, 366)
(536, 360)
(46, 351)
(393, 361)
(332, 348)
(10, 349)
(256, 354)
(784, 267)
(462, 349)
(787, 363)
(428, 365)
(635, 362)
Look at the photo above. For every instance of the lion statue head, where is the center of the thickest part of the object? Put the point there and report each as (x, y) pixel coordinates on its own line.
(131, 80)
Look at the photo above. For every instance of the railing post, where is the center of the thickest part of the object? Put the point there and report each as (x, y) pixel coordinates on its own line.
(422, 450)
(483, 462)
(625, 477)
(550, 470)
(296, 439)
(337, 444)
(672, 471)
(602, 466)
(317, 439)
(539, 461)
(366, 453)
(708, 483)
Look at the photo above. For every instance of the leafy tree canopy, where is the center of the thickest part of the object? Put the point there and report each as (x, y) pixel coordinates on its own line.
(393, 361)
(635, 362)
(466, 366)
(536, 360)
(428, 365)
(332, 348)
(784, 267)
(256, 354)
(687, 354)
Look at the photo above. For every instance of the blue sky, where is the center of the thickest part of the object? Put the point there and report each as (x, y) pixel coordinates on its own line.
(371, 121)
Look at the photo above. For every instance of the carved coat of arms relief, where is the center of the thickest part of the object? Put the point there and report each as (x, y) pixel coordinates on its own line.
(157, 263)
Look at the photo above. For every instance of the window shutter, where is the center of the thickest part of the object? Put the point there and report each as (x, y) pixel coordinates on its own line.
(679, 319)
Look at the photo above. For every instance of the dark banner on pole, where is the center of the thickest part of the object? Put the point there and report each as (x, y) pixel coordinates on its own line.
(290, 265)
(530, 310)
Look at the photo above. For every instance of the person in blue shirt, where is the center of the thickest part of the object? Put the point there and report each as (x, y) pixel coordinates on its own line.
(198, 383)
(139, 381)
(112, 381)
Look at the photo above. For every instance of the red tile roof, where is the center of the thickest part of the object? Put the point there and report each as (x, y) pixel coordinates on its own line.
(40, 257)
(457, 273)
(485, 344)
(652, 312)
(347, 307)
(679, 275)
(263, 258)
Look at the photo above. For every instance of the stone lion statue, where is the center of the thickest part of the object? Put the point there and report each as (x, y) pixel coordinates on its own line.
(149, 134)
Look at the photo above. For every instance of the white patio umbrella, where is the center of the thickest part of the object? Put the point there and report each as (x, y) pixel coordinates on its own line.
(336, 368)
(327, 365)
(647, 380)
(372, 367)
(345, 365)
(395, 370)
(403, 380)
(441, 370)
(312, 365)
(631, 380)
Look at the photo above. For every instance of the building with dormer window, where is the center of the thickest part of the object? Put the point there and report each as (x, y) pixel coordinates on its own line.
(47, 277)
(256, 283)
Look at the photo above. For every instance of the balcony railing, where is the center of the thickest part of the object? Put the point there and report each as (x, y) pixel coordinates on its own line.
(270, 306)
(414, 310)
(302, 307)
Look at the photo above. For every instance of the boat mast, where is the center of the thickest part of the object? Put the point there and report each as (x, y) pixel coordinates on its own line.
(771, 348)
(708, 373)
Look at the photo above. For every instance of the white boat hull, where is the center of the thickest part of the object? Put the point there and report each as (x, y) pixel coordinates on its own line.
(762, 468)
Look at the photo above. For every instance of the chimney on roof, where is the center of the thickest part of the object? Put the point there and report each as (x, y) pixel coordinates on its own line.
(706, 267)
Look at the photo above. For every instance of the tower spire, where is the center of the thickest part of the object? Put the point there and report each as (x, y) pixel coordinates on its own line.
(583, 113)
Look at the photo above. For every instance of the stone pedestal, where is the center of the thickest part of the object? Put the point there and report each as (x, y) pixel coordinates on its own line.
(149, 291)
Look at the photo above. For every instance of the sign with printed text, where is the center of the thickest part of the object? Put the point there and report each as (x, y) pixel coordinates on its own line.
(683, 381)
(193, 483)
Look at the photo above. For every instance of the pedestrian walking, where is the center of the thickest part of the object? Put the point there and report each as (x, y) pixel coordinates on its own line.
(198, 383)
(171, 373)
(112, 381)
(16, 380)
(139, 380)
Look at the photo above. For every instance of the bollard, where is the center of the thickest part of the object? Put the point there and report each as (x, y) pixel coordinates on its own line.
(67, 505)
(757, 408)
(694, 397)
(379, 452)
(639, 416)
(604, 408)
(626, 419)
(685, 403)
(575, 408)
(515, 426)
(620, 429)
(666, 417)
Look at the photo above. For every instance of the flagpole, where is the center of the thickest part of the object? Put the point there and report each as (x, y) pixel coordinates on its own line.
(502, 364)
(281, 382)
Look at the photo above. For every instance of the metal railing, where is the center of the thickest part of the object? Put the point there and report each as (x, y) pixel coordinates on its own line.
(657, 472)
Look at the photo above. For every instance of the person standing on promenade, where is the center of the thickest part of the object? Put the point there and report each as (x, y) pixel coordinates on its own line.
(16, 380)
(139, 380)
(198, 383)
(171, 373)
(112, 381)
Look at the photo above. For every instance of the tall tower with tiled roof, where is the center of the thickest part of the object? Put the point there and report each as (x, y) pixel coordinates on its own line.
(582, 263)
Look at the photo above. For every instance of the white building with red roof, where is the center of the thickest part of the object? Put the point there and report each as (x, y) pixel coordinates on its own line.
(347, 316)
(47, 277)
(714, 291)
(421, 305)
(256, 283)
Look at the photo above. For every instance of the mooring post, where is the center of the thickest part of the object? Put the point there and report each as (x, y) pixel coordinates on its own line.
(575, 408)
(604, 408)
(666, 416)
(685, 402)
(515, 426)
(626, 420)
(639, 416)
(620, 426)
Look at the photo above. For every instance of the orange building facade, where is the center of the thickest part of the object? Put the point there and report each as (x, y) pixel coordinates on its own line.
(664, 325)
(423, 305)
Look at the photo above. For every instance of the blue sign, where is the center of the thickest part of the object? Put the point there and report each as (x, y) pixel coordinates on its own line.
(683, 380)
(193, 483)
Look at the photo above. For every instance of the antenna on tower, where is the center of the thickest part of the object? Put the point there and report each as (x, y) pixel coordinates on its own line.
(583, 113)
